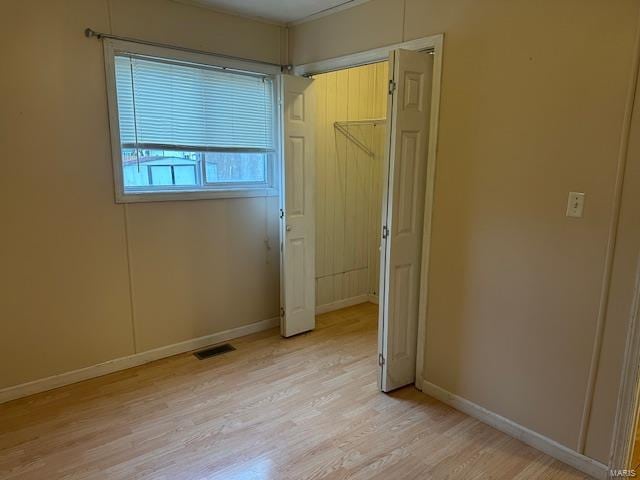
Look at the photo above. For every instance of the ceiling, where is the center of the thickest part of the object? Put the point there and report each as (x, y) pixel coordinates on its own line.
(279, 11)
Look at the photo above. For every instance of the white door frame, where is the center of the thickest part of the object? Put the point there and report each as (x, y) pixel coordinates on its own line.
(628, 405)
(627, 408)
(435, 45)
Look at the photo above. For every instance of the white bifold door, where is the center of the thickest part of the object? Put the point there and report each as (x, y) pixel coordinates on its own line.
(404, 183)
(409, 108)
(297, 210)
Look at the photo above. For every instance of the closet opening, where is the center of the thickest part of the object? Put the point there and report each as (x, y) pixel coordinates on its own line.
(358, 167)
(350, 135)
(349, 145)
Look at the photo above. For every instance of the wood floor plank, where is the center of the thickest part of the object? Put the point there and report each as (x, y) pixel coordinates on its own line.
(300, 408)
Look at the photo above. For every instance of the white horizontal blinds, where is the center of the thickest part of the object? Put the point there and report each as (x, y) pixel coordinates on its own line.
(124, 89)
(190, 106)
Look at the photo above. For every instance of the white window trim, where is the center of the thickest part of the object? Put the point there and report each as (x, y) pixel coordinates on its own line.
(112, 48)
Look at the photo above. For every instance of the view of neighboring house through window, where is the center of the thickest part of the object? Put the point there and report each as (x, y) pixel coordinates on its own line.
(143, 168)
(191, 127)
(160, 168)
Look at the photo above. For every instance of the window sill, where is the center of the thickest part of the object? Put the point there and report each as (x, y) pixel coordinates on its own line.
(144, 197)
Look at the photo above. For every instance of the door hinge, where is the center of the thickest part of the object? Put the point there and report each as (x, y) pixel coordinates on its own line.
(385, 232)
(282, 311)
(281, 213)
(380, 360)
(392, 87)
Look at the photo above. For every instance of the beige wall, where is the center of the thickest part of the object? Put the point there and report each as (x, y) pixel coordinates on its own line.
(533, 98)
(64, 289)
(348, 182)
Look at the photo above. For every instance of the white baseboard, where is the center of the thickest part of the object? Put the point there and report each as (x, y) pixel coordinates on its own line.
(550, 447)
(110, 366)
(347, 302)
(373, 298)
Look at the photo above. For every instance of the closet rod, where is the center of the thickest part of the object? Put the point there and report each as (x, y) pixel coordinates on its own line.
(371, 121)
(342, 129)
(89, 33)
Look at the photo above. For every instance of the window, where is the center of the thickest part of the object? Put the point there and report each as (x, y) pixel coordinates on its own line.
(189, 126)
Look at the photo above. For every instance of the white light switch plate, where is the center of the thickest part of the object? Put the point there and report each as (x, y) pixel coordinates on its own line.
(575, 204)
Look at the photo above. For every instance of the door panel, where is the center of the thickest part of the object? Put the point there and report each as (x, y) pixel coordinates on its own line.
(405, 183)
(297, 225)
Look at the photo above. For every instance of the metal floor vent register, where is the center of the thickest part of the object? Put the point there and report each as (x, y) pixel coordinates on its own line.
(213, 351)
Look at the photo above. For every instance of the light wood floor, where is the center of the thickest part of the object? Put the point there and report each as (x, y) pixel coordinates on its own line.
(302, 408)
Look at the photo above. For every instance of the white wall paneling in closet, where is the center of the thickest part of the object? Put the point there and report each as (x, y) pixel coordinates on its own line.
(350, 134)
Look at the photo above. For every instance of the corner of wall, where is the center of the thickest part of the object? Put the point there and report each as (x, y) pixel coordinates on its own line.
(285, 36)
